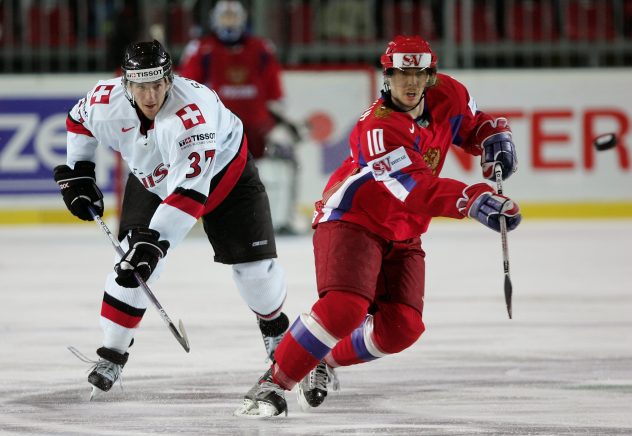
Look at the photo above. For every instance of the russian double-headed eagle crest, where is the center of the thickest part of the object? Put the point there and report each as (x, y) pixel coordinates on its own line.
(432, 157)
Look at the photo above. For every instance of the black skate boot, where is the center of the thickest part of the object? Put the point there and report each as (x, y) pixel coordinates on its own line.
(107, 370)
(272, 332)
(312, 390)
(268, 400)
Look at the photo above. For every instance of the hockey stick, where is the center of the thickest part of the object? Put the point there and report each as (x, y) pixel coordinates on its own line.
(503, 236)
(181, 335)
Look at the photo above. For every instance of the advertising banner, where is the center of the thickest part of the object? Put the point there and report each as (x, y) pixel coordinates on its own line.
(554, 114)
(33, 112)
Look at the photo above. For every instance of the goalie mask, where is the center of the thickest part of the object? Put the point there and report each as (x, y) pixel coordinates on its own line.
(228, 21)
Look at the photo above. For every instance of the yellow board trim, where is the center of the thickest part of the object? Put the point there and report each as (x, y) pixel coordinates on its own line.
(606, 210)
(48, 216)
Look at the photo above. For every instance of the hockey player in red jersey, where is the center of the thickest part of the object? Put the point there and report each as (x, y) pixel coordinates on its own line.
(369, 262)
(189, 159)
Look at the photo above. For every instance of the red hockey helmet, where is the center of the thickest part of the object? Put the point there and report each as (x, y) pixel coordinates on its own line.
(408, 52)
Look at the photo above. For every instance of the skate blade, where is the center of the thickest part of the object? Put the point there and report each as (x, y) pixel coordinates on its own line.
(267, 410)
(248, 407)
(94, 393)
(302, 402)
(260, 411)
(242, 412)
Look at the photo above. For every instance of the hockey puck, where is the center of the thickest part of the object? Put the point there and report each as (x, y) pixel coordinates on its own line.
(605, 142)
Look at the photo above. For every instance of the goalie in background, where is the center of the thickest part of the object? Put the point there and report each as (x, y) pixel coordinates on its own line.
(244, 71)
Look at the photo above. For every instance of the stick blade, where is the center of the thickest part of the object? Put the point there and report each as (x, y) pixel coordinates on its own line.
(185, 338)
(508, 294)
(180, 335)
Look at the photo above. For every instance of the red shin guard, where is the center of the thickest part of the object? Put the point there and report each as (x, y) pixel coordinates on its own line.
(395, 327)
(338, 314)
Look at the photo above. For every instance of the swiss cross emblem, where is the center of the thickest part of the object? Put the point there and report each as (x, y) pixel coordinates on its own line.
(191, 116)
(101, 94)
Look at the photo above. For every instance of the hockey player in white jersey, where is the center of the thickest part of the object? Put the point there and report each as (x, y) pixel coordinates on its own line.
(189, 159)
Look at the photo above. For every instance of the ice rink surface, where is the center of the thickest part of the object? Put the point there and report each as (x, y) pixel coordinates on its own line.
(562, 366)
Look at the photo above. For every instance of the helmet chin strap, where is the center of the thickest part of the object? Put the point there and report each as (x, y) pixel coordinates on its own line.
(128, 94)
(423, 94)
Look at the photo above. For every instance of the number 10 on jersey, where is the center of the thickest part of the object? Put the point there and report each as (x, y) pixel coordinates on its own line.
(375, 141)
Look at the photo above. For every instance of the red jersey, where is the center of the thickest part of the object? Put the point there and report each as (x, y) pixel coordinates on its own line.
(246, 76)
(390, 184)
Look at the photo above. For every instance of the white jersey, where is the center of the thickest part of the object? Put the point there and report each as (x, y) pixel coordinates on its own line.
(192, 139)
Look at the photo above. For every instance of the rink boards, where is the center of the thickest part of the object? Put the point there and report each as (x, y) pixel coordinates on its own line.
(554, 115)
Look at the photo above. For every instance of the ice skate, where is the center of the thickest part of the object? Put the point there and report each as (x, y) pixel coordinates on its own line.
(312, 390)
(265, 399)
(249, 404)
(105, 371)
(272, 332)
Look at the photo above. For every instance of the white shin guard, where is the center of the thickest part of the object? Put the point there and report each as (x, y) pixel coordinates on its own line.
(261, 284)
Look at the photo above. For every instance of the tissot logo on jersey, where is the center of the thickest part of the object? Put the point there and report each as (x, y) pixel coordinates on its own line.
(198, 138)
(191, 116)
